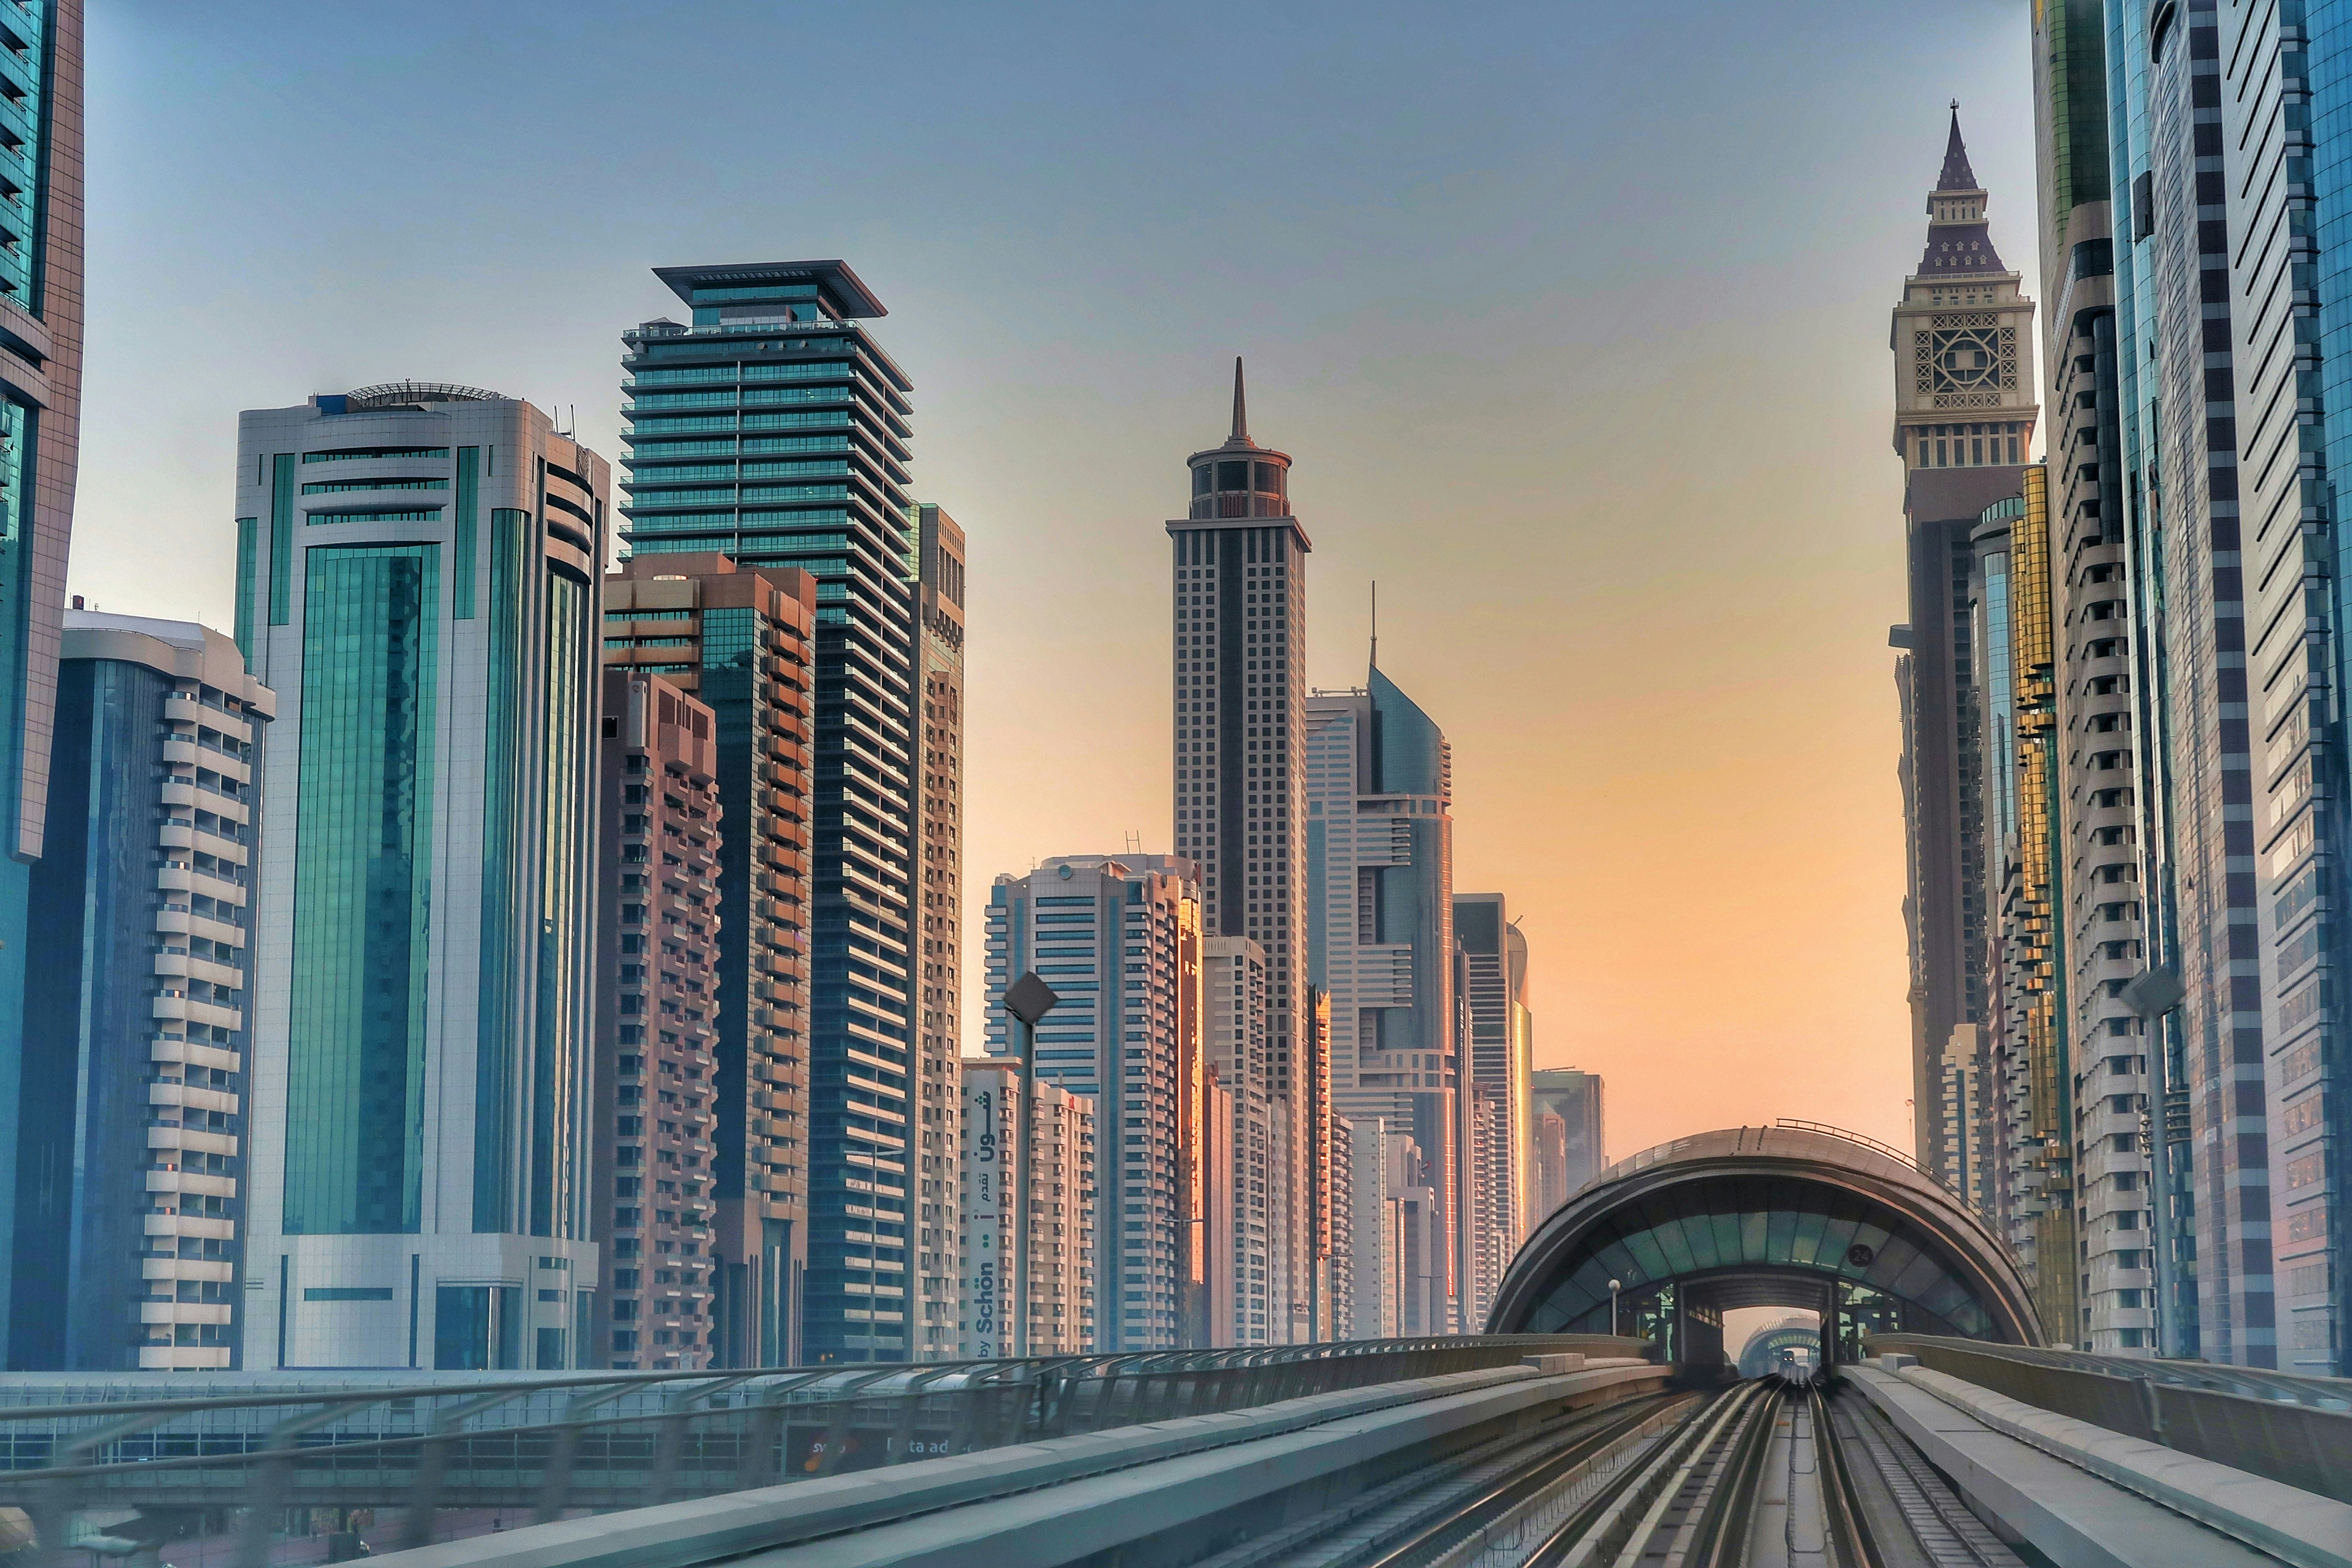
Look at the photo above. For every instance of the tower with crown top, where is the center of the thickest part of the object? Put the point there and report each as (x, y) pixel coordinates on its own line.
(1964, 413)
(1963, 337)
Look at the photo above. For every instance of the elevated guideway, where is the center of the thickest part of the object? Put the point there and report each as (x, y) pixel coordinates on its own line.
(1934, 1432)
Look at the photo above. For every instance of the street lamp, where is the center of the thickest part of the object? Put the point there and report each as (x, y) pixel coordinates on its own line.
(1614, 1326)
(1029, 1000)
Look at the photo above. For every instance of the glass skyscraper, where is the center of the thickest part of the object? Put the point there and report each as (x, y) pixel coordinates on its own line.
(418, 579)
(1381, 941)
(40, 434)
(773, 429)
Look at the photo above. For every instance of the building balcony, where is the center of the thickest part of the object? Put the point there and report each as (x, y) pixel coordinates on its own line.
(183, 1358)
(203, 1227)
(219, 1270)
(187, 1009)
(179, 1094)
(202, 1184)
(181, 922)
(153, 1312)
(190, 754)
(182, 708)
(192, 1138)
(188, 880)
(181, 966)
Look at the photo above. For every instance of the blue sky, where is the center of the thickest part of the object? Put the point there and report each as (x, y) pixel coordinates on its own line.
(1573, 317)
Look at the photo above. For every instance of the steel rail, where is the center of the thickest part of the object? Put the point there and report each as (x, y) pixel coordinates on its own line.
(1625, 1514)
(1851, 1542)
(1726, 1492)
(1453, 1519)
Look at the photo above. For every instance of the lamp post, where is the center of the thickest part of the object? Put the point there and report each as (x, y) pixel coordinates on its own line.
(1029, 1000)
(1615, 1326)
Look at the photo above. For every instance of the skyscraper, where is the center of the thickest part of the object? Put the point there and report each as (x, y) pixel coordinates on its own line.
(1237, 1036)
(1240, 571)
(2102, 689)
(658, 1088)
(742, 642)
(1370, 1262)
(1118, 939)
(1499, 1066)
(1381, 931)
(1963, 415)
(419, 570)
(40, 435)
(2278, 527)
(935, 707)
(131, 1175)
(774, 430)
(1575, 1101)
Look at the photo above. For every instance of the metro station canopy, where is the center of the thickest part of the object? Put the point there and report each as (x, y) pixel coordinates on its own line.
(1760, 1215)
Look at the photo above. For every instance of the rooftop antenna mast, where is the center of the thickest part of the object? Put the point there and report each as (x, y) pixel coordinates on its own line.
(1376, 623)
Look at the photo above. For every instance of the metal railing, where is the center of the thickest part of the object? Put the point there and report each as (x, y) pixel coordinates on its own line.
(2290, 1429)
(1873, 1145)
(556, 1443)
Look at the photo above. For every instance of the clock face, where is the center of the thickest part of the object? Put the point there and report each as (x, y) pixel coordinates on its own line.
(1966, 361)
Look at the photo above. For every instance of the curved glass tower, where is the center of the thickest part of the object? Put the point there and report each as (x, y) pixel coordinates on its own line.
(418, 580)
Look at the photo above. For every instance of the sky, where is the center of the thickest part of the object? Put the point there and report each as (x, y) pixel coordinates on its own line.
(1572, 316)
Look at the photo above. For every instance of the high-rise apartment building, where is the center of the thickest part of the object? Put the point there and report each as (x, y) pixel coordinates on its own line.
(2130, 492)
(935, 704)
(1238, 1035)
(2007, 1096)
(130, 1176)
(1964, 416)
(1498, 1065)
(2285, 254)
(419, 571)
(658, 1088)
(1239, 561)
(1060, 1222)
(773, 429)
(1369, 1264)
(40, 434)
(2114, 1058)
(742, 642)
(1380, 933)
(1572, 1101)
(1119, 940)
(1338, 1309)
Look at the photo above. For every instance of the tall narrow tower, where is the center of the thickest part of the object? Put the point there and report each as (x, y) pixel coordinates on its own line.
(1240, 566)
(1964, 413)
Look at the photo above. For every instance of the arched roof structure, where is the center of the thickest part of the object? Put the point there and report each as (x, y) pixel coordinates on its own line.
(1761, 1216)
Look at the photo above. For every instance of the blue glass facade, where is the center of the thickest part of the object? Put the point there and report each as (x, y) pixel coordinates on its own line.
(777, 380)
(363, 892)
(423, 974)
(82, 1162)
(40, 419)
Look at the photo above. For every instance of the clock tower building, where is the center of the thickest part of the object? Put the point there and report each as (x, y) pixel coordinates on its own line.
(1964, 413)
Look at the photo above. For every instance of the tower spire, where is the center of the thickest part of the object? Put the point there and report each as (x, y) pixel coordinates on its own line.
(1957, 175)
(1241, 408)
(1376, 623)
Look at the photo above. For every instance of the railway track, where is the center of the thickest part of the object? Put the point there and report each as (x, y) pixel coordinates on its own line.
(1773, 1473)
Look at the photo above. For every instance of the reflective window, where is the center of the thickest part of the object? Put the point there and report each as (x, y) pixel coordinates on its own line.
(355, 1091)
